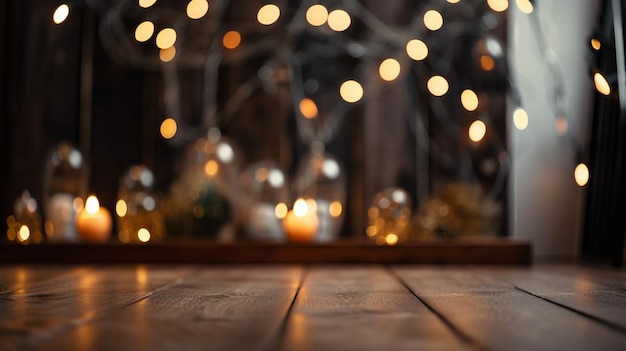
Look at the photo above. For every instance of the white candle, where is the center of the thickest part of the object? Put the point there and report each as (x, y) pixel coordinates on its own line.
(94, 223)
(301, 223)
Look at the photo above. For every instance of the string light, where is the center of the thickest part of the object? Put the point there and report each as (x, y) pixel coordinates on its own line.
(335, 209)
(596, 44)
(437, 85)
(498, 5)
(389, 69)
(143, 235)
(317, 15)
(520, 119)
(166, 38)
(196, 9)
(211, 168)
(416, 49)
(351, 91)
(308, 108)
(231, 39)
(339, 20)
(281, 210)
(581, 174)
(525, 6)
(433, 20)
(146, 3)
(61, 13)
(453, 1)
(144, 31)
(487, 63)
(391, 239)
(168, 54)
(121, 208)
(602, 85)
(469, 100)
(477, 131)
(268, 14)
(168, 128)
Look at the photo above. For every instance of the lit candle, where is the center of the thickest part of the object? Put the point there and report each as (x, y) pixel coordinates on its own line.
(301, 223)
(94, 222)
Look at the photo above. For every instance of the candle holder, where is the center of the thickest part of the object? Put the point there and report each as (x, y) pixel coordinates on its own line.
(138, 217)
(321, 177)
(206, 199)
(389, 216)
(265, 187)
(62, 182)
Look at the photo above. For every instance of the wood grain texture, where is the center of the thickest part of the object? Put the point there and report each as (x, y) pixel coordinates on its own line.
(500, 317)
(222, 308)
(40, 311)
(602, 297)
(13, 277)
(362, 308)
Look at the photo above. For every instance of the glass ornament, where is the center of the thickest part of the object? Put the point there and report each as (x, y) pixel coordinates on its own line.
(265, 187)
(389, 216)
(321, 177)
(206, 199)
(24, 225)
(63, 177)
(138, 216)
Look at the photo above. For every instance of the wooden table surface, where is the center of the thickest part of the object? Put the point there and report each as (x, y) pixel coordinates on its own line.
(314, 307)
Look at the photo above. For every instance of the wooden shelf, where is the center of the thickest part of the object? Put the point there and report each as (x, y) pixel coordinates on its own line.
(483, 251)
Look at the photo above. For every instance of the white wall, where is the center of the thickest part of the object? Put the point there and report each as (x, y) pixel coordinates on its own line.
(547, 206)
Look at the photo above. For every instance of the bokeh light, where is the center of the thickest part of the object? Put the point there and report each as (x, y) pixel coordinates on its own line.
(268, 14)
(351, 91)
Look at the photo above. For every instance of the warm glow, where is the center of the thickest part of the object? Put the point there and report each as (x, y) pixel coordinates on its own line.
(317, 15)
(469, 100)
(196, 9)
(300, 208)
(144, 31)
(560, 124)
(23, 234)
(520, 119)
(487, 63)
(371, 231)
(167, 55)
(143, 235)
(437, 85)
(166, 38)
(335, 209)
(351, 91)
(433, 20)
(121, 208)
(581, 174)
(231, 39)
(211, 167)
(146, 3)
(525, 6)
(596, 44)
(391, 239)
(61, 13)
(268, 14)
(389, 69)
(281, 210)
(168, 128)
(339, 20)
(308, 108)
(453, 1)
(477, 131)
(498, 5)
(416, 49)
(602, 85)
(92, 206)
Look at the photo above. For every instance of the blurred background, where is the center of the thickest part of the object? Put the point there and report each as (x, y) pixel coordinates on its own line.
(392, 120)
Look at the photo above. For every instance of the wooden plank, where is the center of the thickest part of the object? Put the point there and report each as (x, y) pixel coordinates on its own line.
(13, 277)
(570, 287)
(489, 250)
(223, 308)
(40, 311)
(363, 308)
(501, 317)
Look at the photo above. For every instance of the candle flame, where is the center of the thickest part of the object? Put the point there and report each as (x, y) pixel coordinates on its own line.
(92, 206)
(300, 208)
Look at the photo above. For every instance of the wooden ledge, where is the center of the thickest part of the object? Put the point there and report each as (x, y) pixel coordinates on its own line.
(483, 251)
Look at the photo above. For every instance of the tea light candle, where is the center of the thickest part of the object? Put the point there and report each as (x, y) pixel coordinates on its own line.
(94, 223)
(301, 223)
